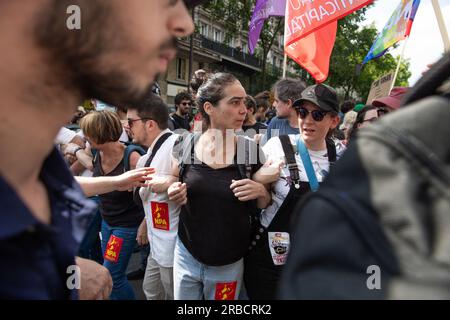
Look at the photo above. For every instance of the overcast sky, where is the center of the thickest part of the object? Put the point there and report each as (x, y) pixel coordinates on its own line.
(425, 43)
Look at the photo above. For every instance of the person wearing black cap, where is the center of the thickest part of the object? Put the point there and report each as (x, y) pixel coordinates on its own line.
(317, 112)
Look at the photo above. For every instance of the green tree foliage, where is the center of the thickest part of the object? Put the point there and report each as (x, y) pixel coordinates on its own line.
(236, 16)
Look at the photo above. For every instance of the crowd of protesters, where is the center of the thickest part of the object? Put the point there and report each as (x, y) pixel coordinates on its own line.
(214, 221)
(207, 194)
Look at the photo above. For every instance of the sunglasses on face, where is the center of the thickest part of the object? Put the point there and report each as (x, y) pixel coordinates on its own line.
(131, 121)
(186, 104)
(317, 115)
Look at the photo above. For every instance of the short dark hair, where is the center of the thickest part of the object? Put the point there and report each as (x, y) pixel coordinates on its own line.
(155, 109)
(289, 89)
(183, 95)
(250, 103)
(347, 105)
(262, 103)
(263, 95)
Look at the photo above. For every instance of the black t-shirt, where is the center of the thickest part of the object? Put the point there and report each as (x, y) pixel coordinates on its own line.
(257, 127)
(180, 122)
(118, 208)
(214, 225)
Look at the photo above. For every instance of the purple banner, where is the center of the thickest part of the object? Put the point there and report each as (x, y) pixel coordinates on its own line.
(263, 10)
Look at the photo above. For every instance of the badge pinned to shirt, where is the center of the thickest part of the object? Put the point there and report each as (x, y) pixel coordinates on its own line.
(225, 291)
(113, 248)
(160, 215)
(279, 247)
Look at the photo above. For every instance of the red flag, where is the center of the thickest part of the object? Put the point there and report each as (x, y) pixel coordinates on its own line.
(313, 52)
(310, 31)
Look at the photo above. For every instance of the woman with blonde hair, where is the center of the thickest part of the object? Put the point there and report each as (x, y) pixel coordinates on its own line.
(121, 216)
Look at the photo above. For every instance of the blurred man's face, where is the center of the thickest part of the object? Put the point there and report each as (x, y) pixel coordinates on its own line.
(369, 117)
(185, 106)
(136, 127)
(260, 114)
(120, 49)
(283, 108)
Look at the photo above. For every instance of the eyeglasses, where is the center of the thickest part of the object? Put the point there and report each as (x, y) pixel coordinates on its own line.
(317, 115)
(382, 111)
(186, 104)
(130, 121)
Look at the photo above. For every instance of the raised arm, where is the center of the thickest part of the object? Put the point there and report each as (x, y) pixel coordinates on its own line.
(127, 181)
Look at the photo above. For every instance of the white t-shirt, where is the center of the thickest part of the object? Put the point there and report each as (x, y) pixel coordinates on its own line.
(161, 214)
(274, 151)
(124, 136)
(64, 136)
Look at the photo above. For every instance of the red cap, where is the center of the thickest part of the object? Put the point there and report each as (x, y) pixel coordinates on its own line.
(393, 100)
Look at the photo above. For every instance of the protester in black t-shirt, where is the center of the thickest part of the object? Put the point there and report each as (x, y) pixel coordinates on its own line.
(214, 226)
(183, 104)
(121, 216)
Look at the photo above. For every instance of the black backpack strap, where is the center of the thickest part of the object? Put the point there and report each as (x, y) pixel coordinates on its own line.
(290, 158)
(158, 144)
(331, 151)
(174, 122)
(95, 155)
(193, 137)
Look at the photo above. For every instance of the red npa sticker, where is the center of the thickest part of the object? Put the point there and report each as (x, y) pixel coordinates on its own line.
(160, 215)
(113, 249)
(225, 291)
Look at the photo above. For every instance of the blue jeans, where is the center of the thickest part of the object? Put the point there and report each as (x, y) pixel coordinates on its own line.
(195, 281)
(90, 247)
(122, 289)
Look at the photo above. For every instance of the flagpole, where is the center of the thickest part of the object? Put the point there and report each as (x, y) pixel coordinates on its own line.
(286, 13)
(442, 28)
(400, 58)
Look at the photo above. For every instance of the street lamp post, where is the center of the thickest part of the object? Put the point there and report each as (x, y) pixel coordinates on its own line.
(191, 53)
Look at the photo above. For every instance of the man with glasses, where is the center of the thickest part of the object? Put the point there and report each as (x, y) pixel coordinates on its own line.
(183, 104)
(148, 126)
(286, 91)
(106, 58)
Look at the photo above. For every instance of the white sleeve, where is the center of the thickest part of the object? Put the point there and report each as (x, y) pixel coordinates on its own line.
(65, 136)
(124, 136)
(273, 149)
(142, 160)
